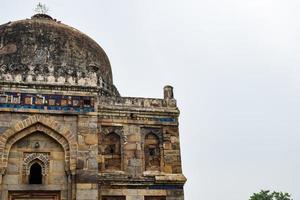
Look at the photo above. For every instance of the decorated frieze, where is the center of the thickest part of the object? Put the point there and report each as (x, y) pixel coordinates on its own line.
(47, 102)
(45, 73)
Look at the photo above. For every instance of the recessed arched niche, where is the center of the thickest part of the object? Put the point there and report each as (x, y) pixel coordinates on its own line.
(36, 159)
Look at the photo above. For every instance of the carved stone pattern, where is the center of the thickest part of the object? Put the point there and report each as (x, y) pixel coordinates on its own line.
(31, 158)
(42, 72)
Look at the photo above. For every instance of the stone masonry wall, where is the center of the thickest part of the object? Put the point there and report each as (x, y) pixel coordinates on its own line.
(129, 147)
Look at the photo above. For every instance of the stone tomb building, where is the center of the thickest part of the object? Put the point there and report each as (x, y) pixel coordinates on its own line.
(65, 131)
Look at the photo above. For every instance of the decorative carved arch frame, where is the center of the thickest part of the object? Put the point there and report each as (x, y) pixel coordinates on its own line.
(28, 167)
(158, 132)
(41, 158)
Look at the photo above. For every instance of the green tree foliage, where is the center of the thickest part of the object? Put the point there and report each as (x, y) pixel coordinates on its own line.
(267, 195)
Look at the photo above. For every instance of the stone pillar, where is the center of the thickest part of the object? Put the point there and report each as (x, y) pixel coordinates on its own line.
(73, 186)
(2, 173)
(168, 92)
(69, 194)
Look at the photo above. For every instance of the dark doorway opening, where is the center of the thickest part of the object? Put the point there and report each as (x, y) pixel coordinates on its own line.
(36, 176)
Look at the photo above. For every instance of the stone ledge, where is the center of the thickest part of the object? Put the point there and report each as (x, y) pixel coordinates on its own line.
(170, 178)
(34, 187)
(112, 173)
(152, 173)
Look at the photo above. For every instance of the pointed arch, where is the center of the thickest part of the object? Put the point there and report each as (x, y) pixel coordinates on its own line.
(112, 151)
(111, 148)
(152, 152)
(36, 174)
(45, 125)
(41, 158)
(152, 144)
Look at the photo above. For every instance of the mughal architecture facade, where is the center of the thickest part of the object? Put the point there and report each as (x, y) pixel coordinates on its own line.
(65, 131)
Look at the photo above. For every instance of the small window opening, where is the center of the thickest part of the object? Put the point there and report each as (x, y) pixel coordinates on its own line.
(112, 149)
(35, 176)
(152, 151)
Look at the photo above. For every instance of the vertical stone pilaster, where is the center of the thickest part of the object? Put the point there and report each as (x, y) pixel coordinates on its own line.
(87, 162)
(133, 151)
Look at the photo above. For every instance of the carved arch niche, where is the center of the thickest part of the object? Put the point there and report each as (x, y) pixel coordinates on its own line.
(111, 148)
(153, 148)
(31, 159)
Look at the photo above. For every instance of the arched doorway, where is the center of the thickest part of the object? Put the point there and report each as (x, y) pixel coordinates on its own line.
(36, 159)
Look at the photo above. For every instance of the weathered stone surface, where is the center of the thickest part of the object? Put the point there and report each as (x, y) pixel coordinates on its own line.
(87, 194)
(91, 139)
(63, 122)
(84, 186)
(92, 164)
(85, 176)
(44, 55)
(80, 164)
(11, 179)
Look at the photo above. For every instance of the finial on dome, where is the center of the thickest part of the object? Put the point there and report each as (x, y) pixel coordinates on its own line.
(41, 9)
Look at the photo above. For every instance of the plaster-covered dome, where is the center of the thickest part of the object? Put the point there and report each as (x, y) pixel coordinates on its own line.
(45, 51)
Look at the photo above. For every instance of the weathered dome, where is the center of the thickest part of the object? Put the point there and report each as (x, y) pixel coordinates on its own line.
(43, 50)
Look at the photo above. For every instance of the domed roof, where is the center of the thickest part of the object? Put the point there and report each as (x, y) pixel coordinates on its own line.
(43, 50)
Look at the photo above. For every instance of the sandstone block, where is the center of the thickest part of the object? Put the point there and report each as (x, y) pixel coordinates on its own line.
(91, 139)
(84, 186)
(88, 194)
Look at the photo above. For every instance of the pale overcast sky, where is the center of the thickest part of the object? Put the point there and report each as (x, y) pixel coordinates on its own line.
(235, 68)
